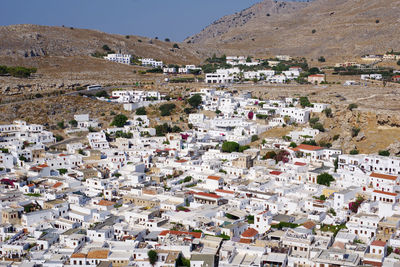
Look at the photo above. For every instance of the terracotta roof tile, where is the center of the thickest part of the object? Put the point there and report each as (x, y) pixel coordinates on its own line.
(98, 254)
(245, 241)
(106, 203)
(308, 147)
(224, 191)
(309, 225)
(193, 234)
(78, 255)
(383, 176)
(378, 243)
(275, 173)
(207, 195)
(58, 184)
(385, 193)
(250, 232)
(214, 177)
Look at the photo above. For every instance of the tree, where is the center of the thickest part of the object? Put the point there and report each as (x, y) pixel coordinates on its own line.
(195, 100)
(354, 152)
(321, 59)
(61, 125)
(166, 109)
(106, 48)
(398, 62)
(153, 257)
(141, 111)
(73, 123)
(270, 155)
(293, 144)
(328, 112)
(384, 153)
(336, 164)
(102, 94)
(352, 106)
(314, 70)
(304, 102)
(286, 119)
(167, 40)
(325, 179)
(248, 59)
(176, 129)
(313, 120)
(230, 147)
(59, 138)
(176, 46)
(254, 138)
(119, 120)
(319, 127)
(355, 131)
(313, 31)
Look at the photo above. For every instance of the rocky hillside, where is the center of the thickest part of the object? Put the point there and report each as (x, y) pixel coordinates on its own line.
(263, 10)
(332, 28)
(30, 41)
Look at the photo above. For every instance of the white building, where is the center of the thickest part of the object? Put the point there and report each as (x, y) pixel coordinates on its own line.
(119, 58)
(149, 62)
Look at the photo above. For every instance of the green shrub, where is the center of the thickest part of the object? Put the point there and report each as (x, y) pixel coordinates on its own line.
(354, 152)
(384, 153)
(141, 111)
(355, 131)
(325, 179)
(195, 100)
(119, 120)
(352, 106)
(230, 147)
(166, 109)
(254, 138)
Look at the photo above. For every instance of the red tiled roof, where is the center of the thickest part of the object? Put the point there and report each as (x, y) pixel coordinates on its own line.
(172, 232)
(58, 184)
(245, 241)
(308, 147)
(98, 254)
(309, 225)
(383, 176)
(62, 155)
(214, 177)
(181, 161)
(207, 195)
(250, 232)
(106, 203)
(378, 243)
(275, 173)
(300, 163)
(78, 255)
(225, 191)
(385, 193)
(43, 166)
(317, 75)
(30, 185)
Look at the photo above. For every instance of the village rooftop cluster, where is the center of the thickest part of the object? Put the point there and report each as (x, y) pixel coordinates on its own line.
(281, 69)
(216, 194)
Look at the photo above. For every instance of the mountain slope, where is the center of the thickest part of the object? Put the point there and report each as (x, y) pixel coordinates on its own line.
(259, 12)
(29, 41)
(332, 28)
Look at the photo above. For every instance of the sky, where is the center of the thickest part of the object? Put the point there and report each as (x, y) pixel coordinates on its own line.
(174, 19)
